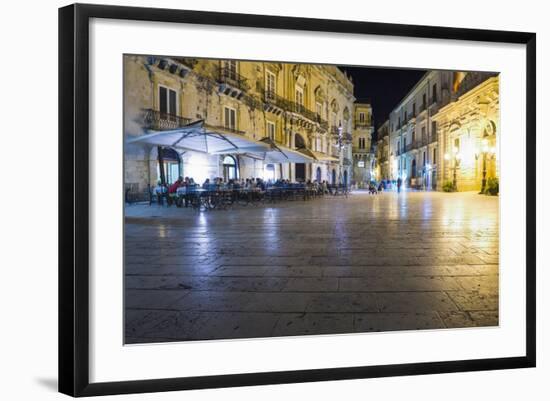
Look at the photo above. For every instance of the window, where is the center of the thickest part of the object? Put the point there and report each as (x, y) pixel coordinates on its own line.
(230, 118)
(299, 96)
(168, 100)
(404, 144)
(423, 101)
(434, 93)
(414, 109)
(361, 117)
(434, 129)
(424, 159)
(434, 159)
(413, 137)
(230, 171)
(423, 133)
(271, 130)
(398, 147)
(270, 85)
(230, 67)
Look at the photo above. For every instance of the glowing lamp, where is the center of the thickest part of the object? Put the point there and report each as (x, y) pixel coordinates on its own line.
(447, 156)
(484, 145)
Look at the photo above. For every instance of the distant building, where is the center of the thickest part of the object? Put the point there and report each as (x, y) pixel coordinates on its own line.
(363, 156)
(301, 107)
(382, 152)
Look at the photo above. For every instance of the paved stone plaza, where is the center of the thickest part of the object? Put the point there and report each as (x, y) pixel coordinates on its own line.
(332, 265)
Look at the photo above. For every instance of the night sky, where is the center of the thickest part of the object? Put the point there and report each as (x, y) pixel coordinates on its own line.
(385, 87)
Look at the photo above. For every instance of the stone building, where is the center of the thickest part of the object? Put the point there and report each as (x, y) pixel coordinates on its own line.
(363, 158)
(382, 152)
(445, 130)
(414, 153)
(468, 132)
(304, 109)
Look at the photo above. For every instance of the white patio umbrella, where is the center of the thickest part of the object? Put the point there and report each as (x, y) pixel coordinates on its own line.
(282, 154)
(201, 137)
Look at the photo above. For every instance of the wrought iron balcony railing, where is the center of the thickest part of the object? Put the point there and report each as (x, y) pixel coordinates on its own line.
(362, 124)
(159, 121)
(303, 110)
(230, 77)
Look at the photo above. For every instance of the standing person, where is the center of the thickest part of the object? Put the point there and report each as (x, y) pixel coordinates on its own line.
(399, 182)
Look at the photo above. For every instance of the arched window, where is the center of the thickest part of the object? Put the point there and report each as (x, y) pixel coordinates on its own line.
(229, 168)
(269, 172)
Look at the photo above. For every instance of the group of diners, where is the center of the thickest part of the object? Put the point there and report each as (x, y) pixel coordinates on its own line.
(220, 193)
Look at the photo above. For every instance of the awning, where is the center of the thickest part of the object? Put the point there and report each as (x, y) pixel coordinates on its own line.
(282, 154)
(322, 157)
(201, 137)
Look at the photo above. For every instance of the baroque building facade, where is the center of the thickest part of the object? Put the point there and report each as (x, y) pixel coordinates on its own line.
(302, 107)
(445, 131)
(468, 130)
(362, 154)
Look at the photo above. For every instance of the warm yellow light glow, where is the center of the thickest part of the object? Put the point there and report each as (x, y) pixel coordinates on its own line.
(447, 156)
(485, 145)
(455, 150)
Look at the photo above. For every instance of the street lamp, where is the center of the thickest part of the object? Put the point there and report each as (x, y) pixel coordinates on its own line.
(485, 150)
(456, 161)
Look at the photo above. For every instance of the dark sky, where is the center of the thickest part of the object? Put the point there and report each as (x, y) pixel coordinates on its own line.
(385, 87)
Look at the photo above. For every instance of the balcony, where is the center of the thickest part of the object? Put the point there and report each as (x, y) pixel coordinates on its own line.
(303, 116)
(432, 138)
(272, 102)
(362, 124)
(232, 83)
(160, 121)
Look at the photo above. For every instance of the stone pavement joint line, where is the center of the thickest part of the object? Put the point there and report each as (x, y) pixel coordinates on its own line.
(327, 266)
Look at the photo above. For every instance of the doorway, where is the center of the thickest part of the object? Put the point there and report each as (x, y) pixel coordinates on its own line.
(229, 168)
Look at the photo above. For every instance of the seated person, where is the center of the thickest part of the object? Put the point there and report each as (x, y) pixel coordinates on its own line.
(174, 187)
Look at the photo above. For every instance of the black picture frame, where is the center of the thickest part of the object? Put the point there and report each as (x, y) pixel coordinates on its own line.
(74, 200)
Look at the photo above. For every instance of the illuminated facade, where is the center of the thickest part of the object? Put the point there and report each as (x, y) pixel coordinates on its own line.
(383, 171)
(468, 131)
(302, 107)
(414, 153)
(363, 160)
